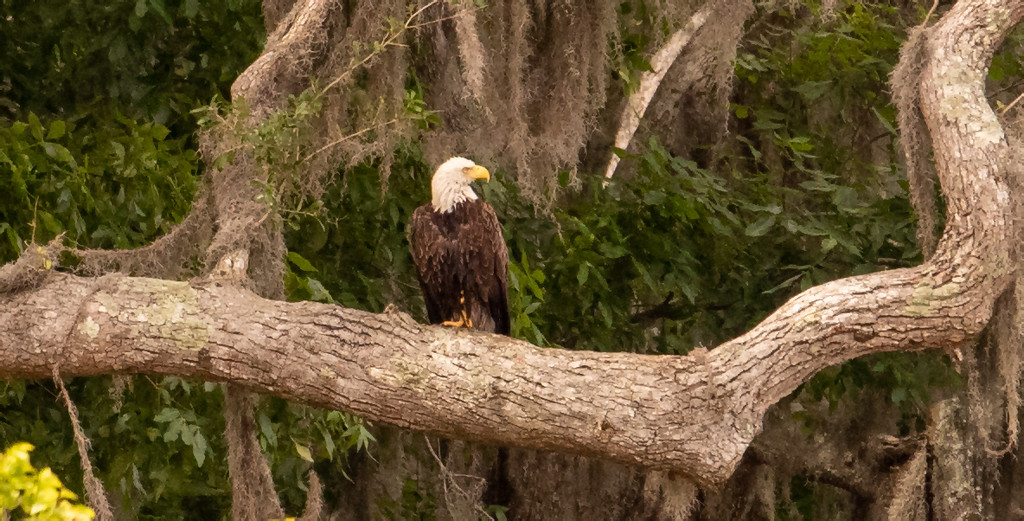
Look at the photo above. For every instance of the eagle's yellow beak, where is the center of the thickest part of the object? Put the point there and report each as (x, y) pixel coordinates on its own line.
(476, 172)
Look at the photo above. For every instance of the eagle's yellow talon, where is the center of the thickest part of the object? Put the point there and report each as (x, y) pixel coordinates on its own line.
(465, 321)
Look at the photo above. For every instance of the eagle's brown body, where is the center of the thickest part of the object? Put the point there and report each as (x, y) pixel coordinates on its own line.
(462, 263)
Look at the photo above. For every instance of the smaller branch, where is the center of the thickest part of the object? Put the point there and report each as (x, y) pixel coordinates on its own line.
(935, 5)
(447, 476)
(387, 42)
(637, 104)
(432, 22)
(35, 216)
(348, 137)
(424, 8)
(1012, 103)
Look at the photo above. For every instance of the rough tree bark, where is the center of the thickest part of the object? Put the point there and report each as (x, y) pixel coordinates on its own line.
(695, 415)
(248, 246)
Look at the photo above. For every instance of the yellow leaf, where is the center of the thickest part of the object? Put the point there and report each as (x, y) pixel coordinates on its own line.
(304, 452)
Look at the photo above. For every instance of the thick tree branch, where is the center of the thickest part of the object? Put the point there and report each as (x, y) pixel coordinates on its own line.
(694, 414)
(286, 63)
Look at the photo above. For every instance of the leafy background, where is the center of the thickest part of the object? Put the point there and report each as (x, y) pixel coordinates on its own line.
(97, 140)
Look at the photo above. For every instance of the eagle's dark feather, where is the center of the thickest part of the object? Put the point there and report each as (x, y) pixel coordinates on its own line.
(462, 252)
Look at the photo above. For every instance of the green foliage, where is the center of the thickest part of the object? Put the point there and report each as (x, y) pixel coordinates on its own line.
(497, 512)
(818, 130)
(283, 143)
(149, 60)
(115, 186)
(297, 437)
(301, 285)
(357, 244)
(144, 441)
(109, 159)
(802, 82)
(1006, 69)
(184, 427)
(909, 379)
(96, 141)
(38, 493)
(414, 504)
(110, 162)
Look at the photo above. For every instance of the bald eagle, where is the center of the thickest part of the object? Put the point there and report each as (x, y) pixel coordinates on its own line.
(459, 251)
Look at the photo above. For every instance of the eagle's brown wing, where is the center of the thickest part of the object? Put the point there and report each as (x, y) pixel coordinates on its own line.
(434, 255)
(485, 255)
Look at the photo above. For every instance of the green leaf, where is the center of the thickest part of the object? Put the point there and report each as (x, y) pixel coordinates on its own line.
(160, 132)
(57, 129)
(818, 185)
(59, 153)
(884, 121)
(583, 273)
(785, 284)
(158, 6)
(267, 428)
(35, 127)
(654, 198)
(50, 222)
(301, 262)
(328, 443)
(317, 291)
(828, 243)
(498, 511)
(760, 226)
(538, 276)
(199, 446)
(188, 433)
(605, 313)
(365, 438)
(18, 128)
(118, 150)
(167, 414)
(611, 251)
(174, 429)
(813, 90)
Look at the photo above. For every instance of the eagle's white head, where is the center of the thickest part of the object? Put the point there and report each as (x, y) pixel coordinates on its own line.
(450, 184)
